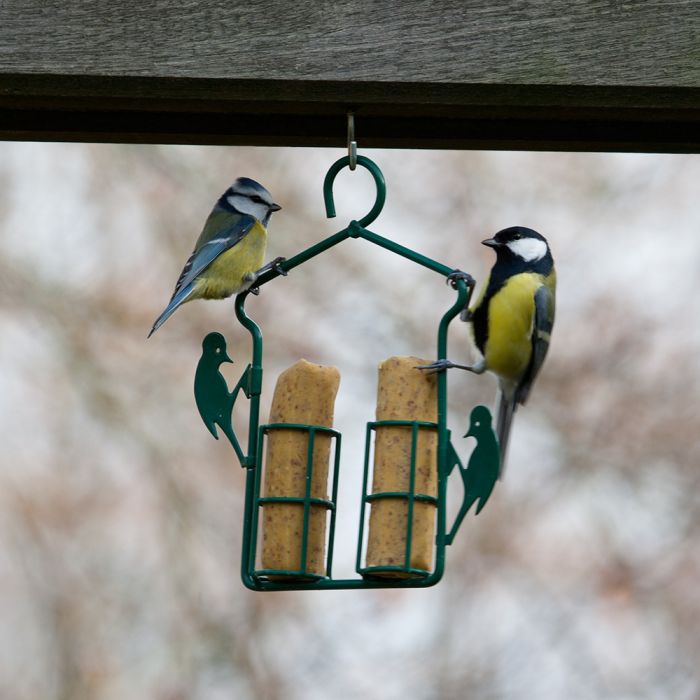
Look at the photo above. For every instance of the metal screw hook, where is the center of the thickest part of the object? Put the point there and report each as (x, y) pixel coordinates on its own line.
(378, 181)
(352, 143)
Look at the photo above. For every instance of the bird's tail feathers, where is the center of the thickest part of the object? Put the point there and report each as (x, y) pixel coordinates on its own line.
(505, 411)
(179, 298)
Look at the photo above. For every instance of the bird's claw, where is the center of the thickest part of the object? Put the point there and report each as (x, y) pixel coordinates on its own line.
(428, 369)
(456, 275)
(273, 265)
(276, 266)
(452, 279)
(441, 366)
(465, 315)
(254, 276)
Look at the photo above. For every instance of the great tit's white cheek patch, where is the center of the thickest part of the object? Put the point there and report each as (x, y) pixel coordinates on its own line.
(529, 249)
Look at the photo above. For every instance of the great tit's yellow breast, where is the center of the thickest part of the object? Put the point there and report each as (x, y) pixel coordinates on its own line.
(227, 274)
(511, 315)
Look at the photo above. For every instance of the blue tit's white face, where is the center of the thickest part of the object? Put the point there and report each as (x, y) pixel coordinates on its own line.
(250, 197)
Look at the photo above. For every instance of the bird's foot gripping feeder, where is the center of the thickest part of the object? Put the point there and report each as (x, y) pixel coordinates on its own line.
(290, 506)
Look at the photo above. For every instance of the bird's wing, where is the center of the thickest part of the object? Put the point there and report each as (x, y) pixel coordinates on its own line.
(541, 331)
(213, 242)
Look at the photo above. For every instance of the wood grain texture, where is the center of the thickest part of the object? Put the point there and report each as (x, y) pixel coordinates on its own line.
(452, 41)
(453, 74)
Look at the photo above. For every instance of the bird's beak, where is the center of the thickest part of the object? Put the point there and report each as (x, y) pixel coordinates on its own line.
(469, 433)
(275, 207)
(226, 358)
(491, 243)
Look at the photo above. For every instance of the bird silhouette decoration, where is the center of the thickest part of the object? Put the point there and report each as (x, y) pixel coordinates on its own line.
(481, 473)
(214, 401)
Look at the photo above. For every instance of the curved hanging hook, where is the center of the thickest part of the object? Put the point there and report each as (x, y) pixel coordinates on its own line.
(378, 181)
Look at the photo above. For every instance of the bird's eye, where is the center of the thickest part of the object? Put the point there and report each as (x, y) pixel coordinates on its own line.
(257, 199)
(217, 351)
(517, 236)
(477, 424)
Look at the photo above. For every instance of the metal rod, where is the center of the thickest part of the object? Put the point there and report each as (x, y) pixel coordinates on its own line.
(463, 298)
(307, 500)
(365, 476)
(411, 495)
(357, 231)
(334, 509)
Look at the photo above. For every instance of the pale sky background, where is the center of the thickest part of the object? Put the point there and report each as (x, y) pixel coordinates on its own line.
(120, 516)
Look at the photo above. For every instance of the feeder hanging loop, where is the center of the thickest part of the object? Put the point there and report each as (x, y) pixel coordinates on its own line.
(378, 181)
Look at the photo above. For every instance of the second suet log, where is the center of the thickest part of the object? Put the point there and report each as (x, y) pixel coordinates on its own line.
(229, 253)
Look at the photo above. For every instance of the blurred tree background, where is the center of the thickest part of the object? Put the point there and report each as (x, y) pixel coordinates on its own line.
(120, 517)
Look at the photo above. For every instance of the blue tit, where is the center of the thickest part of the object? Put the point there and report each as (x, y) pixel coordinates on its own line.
(229, 252)
(512, 320)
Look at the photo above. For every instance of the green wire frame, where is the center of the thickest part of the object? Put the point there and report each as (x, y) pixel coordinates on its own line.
(302, 579)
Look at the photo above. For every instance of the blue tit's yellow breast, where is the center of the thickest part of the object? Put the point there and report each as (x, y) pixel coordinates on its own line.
(510, 320)
(227, 274)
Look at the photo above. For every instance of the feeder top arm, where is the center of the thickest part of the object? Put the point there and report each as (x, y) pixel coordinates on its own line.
(560, 75)
(355, 229)
(462, 282)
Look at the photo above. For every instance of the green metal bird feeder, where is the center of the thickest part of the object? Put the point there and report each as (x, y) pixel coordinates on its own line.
(215, 403)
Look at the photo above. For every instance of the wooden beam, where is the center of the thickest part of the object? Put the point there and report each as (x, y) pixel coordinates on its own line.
(452, 74)
(152, 110)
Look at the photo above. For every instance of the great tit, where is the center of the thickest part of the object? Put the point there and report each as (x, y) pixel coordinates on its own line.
(229, 253)
(512, 320)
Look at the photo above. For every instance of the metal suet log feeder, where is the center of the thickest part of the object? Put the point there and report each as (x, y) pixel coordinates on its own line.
(403, 544)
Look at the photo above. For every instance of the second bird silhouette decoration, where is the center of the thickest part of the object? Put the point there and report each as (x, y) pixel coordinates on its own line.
(229, 253)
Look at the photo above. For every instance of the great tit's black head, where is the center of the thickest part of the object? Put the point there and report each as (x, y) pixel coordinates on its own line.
(519, 242)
